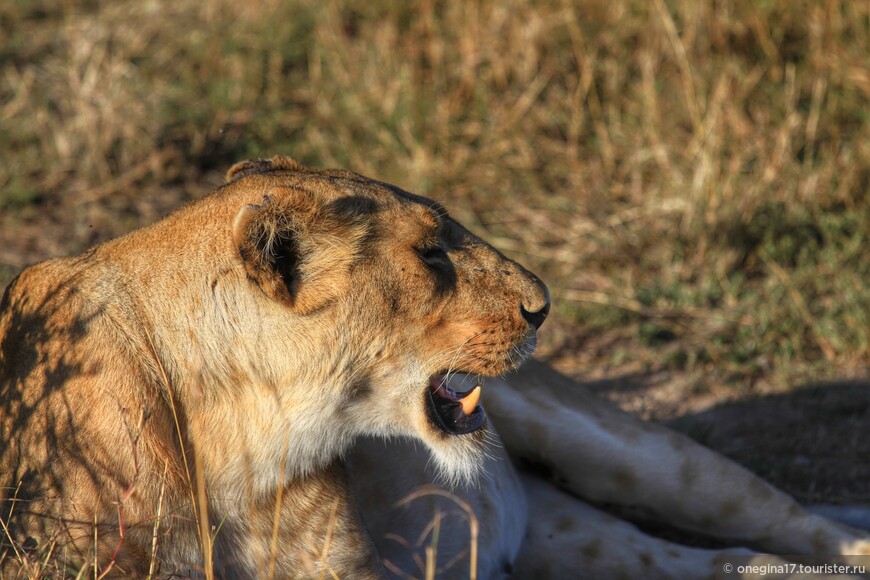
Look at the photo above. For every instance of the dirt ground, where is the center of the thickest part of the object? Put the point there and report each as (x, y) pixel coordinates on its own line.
(810, 440)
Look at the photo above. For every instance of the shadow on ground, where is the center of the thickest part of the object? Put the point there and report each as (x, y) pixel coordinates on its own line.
(813, 442)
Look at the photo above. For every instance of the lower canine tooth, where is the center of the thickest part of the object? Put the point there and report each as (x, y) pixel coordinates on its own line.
(469, 402)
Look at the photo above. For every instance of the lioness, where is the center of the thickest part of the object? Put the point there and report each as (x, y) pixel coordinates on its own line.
(178, 401)
(237, 348)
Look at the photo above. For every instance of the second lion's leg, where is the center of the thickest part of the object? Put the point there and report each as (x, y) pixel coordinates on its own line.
(604, 455)
(568, 538)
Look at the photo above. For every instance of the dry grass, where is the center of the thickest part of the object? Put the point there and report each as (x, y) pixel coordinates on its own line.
(429, 567)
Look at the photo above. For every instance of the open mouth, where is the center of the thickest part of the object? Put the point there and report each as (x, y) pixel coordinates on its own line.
(455, 413)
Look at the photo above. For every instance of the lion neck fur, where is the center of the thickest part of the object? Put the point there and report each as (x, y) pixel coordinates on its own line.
(233, 394)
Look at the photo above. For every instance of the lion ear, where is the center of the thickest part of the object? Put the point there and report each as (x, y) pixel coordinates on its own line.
(286, 254)
(250, 167)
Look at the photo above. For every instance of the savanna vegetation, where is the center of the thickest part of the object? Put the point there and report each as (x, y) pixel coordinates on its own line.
(691, 179)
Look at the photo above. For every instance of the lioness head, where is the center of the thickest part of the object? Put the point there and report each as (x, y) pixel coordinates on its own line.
(380, 297)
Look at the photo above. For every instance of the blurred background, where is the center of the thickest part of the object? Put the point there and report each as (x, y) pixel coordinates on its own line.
(691, 179)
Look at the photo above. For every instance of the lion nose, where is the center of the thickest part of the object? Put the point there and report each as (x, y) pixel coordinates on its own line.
(535, 315)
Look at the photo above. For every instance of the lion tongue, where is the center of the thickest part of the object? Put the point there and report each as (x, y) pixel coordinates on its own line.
(469, 401)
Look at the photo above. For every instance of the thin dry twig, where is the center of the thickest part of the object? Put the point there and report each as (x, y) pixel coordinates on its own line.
(276, 523)
(14, 498)
(333, 519)
(134, 440)
(204, 540)
(473, 523)
(202, 520)
(154, 533)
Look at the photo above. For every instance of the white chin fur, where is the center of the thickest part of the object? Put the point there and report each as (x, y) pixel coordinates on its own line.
(459, 460)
